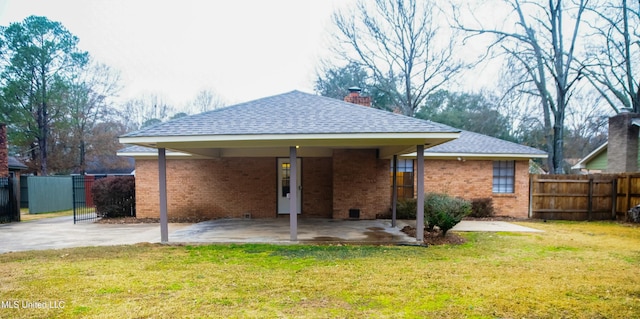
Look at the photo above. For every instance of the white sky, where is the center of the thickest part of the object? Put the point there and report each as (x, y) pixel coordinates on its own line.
(242, 50)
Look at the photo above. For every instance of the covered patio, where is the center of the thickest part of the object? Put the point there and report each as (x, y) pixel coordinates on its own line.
(310, 230)
(356, 145)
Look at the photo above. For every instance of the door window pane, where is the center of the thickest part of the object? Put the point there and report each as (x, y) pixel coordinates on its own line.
(286, 173)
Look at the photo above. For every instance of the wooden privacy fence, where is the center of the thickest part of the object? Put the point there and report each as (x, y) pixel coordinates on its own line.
(584, 197)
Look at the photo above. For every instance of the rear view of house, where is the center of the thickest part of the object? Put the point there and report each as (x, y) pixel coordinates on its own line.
(311, 156)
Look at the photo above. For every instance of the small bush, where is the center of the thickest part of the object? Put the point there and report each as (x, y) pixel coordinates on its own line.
(444, 211)
(114, 196)
(482, 207)
(406, 208)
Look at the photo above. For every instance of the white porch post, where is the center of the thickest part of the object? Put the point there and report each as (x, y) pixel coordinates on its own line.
(162, 177)
(420, 203)
(394, 191)
(293, 193)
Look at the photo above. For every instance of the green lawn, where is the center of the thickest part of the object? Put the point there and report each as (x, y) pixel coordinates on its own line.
(573, 270)
(26, 217)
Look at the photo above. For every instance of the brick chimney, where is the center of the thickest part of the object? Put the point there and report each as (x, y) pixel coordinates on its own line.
(4, 151)
(622, 148)
(354, 97)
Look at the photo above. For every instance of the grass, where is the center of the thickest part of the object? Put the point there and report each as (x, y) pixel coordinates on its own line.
(573, 270)
(26, 217)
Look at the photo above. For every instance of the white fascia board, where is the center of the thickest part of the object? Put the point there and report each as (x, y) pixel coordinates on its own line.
(148, 140)
(475, 155)
(152, 154)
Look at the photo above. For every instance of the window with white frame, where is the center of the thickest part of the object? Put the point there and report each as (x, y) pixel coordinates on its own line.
(504, 173)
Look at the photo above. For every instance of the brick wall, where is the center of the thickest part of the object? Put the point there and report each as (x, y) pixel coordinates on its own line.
(360, 181)
(474, 179)
(622, 150)
(4, 151)
(317, 184)
(228, 187)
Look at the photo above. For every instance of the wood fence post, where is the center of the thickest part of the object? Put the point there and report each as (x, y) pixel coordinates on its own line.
(590, 200)
(628, 195)
(614, 197)
(530, 195)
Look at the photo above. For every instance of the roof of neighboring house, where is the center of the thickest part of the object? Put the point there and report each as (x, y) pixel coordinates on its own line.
(292, 113)
(142, 151)
(15, 164)
(471, 144)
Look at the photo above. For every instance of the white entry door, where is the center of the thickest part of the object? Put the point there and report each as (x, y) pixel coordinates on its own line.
(284, 173)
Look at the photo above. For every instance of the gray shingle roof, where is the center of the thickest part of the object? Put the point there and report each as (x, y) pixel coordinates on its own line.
(292, 113)
(15, 164)
(474, 143)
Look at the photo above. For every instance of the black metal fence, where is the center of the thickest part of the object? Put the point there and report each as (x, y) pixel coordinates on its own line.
(83, 207)
(9, 205)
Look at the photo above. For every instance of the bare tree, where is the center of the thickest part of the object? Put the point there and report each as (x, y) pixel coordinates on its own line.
(587, 123)
(89, 102)
(544, 49)
(206, 100)
(145, 111)
(403, 46)
(612, 65)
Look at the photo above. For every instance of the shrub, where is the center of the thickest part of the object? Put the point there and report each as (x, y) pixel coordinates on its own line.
(482, 207)
(406, 208)
(444, 211)
(114, 196)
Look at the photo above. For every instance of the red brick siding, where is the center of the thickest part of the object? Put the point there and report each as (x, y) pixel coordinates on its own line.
(360, 181)
(228, 187)
(317, 184)
(474, 179)
(4, 151)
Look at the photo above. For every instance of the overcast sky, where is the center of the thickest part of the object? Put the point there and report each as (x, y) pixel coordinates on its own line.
(241, 49)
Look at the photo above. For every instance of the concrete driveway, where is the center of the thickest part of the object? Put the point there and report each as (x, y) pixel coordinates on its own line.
(60, 232)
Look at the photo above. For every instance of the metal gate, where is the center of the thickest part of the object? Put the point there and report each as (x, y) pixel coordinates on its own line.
(9, 207)
(83, 207)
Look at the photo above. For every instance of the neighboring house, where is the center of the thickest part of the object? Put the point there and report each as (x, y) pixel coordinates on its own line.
(108, 165)
(620, 153)
(479, 166)
(240, 161)
(15, 167)
(594, 162)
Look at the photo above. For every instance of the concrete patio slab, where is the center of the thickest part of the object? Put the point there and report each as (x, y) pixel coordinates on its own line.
(60, 232)
(276, 230)
(491, 226)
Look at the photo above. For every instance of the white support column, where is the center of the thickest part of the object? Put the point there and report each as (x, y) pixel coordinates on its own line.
(420, 203)
(293, 193)
(394, 191)
(162, 177)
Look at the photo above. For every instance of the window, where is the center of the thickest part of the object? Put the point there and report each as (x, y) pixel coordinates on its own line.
(404, 178)
(286, 179)
(503, 176)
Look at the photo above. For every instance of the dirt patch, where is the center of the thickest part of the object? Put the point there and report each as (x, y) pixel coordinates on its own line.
(134, 220)
(435, 237)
